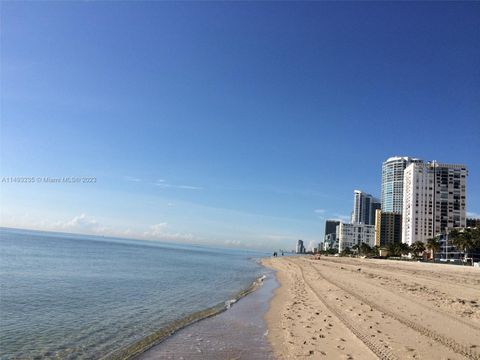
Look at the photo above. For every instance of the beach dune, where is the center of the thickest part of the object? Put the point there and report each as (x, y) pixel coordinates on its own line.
(346, 308)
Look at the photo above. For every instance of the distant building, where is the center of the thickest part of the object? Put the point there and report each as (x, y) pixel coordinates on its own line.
(350, 235)
(388, 228)
(434, 200)
(473, 222)
(330, 242)
(300, 247)
(364, 206)
(392, 182)
(331, 227)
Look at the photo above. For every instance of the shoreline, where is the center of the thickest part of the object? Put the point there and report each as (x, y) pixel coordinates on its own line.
(225, 334)
(141, 346)
(344, 308)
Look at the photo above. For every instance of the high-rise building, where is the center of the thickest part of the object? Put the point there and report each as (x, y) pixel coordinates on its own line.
(364, 206)
(388, 228)
(331, 227)
(392, 182)
(350, 235)
(434, 200)
(300, 247)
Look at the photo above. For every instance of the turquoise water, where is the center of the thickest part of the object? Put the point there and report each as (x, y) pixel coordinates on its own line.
(80, 297)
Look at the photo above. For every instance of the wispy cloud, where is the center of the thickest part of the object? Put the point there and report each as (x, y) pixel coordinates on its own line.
(233, 242)
(162, 183)
(319, 211)
(189, 187)
(473, 215)
(131, 179)
(341, 217)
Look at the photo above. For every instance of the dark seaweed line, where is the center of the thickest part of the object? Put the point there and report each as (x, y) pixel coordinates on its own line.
(139, 347)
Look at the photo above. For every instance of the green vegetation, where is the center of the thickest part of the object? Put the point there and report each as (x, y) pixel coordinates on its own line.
(433, 244)
(417, 248)
(397, 249)
(466, 239)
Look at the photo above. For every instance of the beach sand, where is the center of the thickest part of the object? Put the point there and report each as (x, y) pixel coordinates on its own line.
(346, 308)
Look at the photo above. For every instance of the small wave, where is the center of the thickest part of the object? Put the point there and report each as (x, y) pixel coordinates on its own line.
(229, 303)
(160, 335)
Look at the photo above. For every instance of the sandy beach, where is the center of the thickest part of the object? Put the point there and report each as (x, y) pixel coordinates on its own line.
(345, 308)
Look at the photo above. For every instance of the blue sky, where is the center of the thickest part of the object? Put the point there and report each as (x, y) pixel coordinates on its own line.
(243, 124)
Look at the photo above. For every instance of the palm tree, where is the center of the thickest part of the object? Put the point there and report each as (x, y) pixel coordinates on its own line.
(331, 251)
(355, 248)
(392, 249)
(346, 251)
(365, 249)
(433, 245)
(403, 248)
(418, 247)
(463, 239)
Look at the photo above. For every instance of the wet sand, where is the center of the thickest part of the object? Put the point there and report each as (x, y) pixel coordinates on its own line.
(343, 308)
(238, 333)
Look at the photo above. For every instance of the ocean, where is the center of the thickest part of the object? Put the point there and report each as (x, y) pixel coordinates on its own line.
(82, 297)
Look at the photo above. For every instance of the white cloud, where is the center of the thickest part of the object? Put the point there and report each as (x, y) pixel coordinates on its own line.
(320, 213)
(132, 179)
(312, 244)
(341, 217)
(159, 232)
(233, 242)
(277, 237)
(473, 215)
(189, 187)
(85, 224)
(156, 229)
(165, 185)
(81, 222)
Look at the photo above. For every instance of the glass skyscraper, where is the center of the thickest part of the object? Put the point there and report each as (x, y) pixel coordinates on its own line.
(392, 182)
(364, 206)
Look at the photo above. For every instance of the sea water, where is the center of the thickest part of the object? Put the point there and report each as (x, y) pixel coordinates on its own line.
(82, 297)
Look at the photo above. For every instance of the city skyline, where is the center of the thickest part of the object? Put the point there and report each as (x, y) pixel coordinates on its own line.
(240, 124)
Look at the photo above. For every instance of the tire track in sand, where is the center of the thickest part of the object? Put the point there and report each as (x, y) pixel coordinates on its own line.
(444, 340)
(414, 301)
(379, 350)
